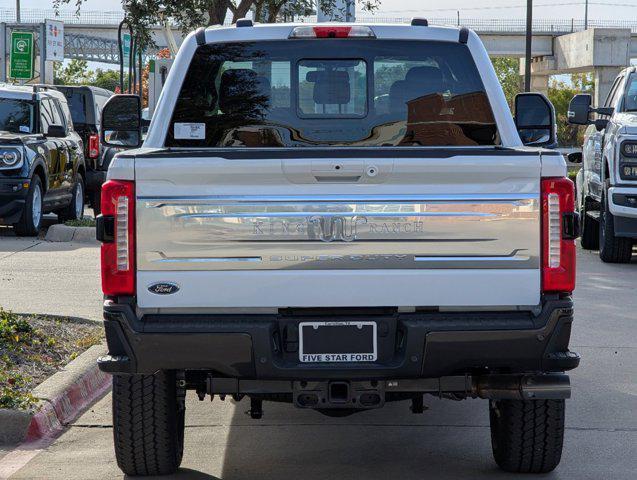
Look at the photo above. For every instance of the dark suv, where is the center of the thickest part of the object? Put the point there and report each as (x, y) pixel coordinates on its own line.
(41, 158)
(85, 103)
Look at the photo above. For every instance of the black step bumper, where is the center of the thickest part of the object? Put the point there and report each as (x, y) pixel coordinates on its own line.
(410, 345)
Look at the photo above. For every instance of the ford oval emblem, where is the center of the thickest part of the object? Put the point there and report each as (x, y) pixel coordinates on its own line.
(164, 288)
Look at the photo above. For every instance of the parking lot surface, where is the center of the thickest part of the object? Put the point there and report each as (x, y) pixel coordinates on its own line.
(449, 441)
(48, 277)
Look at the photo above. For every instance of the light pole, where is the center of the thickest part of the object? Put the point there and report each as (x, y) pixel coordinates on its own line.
(586, 15)
(529, 37)
(17, 11)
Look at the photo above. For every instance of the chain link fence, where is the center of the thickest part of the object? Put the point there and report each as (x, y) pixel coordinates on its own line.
(480, 25)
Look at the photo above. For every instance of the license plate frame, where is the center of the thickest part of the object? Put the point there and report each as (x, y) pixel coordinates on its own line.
(307, 347)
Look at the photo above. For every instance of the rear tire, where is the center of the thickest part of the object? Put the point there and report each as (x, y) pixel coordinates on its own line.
(612, 249)
(527, 435)
(148, 424)
(590, 229)
(31, 218)
(96, 202)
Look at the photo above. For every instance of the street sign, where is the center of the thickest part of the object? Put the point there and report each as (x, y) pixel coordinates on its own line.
(54, 40)
(21, 55)
(126, 48)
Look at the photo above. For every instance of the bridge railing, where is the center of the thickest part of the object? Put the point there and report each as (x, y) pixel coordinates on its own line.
(481, 25)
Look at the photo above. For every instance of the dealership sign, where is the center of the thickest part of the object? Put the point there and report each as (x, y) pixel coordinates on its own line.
(21, 55)
(54, 40)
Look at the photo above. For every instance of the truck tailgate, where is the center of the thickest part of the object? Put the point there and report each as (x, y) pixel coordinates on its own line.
(257, 230)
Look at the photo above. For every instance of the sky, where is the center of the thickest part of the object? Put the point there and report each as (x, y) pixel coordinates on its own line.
(598, 9)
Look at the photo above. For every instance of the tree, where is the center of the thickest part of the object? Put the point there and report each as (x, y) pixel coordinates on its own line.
(191, 14)
(508, 73)
(560, 94)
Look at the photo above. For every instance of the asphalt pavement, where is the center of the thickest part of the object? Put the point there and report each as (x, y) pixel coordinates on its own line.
(51, 278)
(449, 441)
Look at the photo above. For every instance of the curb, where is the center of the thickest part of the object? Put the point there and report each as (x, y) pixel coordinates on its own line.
(63, 397)
(65, 233)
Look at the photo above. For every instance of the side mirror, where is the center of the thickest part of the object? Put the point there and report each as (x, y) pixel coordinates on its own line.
(56, 131)
(574, 157)
(121, 122)
(535, 120)
(579, 109)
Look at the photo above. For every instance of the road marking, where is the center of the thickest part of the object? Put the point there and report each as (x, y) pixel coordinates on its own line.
(17, 458)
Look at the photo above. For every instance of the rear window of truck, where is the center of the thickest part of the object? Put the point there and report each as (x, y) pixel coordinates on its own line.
(332, 92)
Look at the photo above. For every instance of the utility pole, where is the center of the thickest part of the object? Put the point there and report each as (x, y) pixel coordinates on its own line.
(17, 11)
(586, 15)
(529, 37)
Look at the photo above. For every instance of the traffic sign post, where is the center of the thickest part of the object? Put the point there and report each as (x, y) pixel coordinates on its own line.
(21, 55)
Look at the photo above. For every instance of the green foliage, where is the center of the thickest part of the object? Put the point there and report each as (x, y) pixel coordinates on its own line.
(508, 72)
(560, 93)
(77, 73)
(13, 329)
(82, 222)
(12, 384)
(191, 14)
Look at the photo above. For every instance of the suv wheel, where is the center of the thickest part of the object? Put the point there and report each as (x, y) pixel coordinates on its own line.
(612, 249)
(148, 424)
(527, 435)
(590, 228)
(75, 209)
(31, 218)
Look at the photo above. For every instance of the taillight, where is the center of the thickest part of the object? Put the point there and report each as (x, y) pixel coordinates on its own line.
(93, 146)
(118, 247)
(560, 227)
(332, 31)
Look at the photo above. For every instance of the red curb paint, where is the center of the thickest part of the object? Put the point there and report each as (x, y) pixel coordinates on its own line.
(56, 414)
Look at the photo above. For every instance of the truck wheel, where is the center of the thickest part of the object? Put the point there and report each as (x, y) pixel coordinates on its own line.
(527, 435)
(148, 424)
(96, 201)
(31, 218)
(75, 209)
(590, 229)
(612, 249)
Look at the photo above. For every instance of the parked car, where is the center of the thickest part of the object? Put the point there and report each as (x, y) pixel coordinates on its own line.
(607, 181)
(282, 236)
(42, 165)
(86, 103)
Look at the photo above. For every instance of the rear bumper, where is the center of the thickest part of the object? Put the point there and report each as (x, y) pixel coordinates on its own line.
(13, 196)
(410, 345)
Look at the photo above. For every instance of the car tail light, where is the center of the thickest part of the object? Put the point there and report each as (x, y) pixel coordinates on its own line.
(560, 227)
(93, 146)
(332, 31)
(118, 247)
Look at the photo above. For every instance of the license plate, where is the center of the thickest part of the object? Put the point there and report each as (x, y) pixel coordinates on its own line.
(337, 342)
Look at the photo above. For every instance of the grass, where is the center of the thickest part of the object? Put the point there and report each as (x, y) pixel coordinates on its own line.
(34, 347)
(82, 222)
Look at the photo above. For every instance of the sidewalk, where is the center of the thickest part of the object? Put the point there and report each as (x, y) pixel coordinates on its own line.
(49, 278)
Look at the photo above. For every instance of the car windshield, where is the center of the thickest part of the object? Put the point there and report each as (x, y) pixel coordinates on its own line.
(16, 116)
(630, 98)
(366, 93)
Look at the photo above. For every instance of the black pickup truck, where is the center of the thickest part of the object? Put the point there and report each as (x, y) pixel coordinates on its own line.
(86, 103)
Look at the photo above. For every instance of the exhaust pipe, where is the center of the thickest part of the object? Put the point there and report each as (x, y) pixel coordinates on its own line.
(552, 386)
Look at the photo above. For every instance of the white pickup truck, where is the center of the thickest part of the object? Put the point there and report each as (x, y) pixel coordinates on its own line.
(336, 216)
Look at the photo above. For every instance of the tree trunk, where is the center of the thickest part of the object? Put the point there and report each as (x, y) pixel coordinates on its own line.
(241, 10)
(217, 11)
